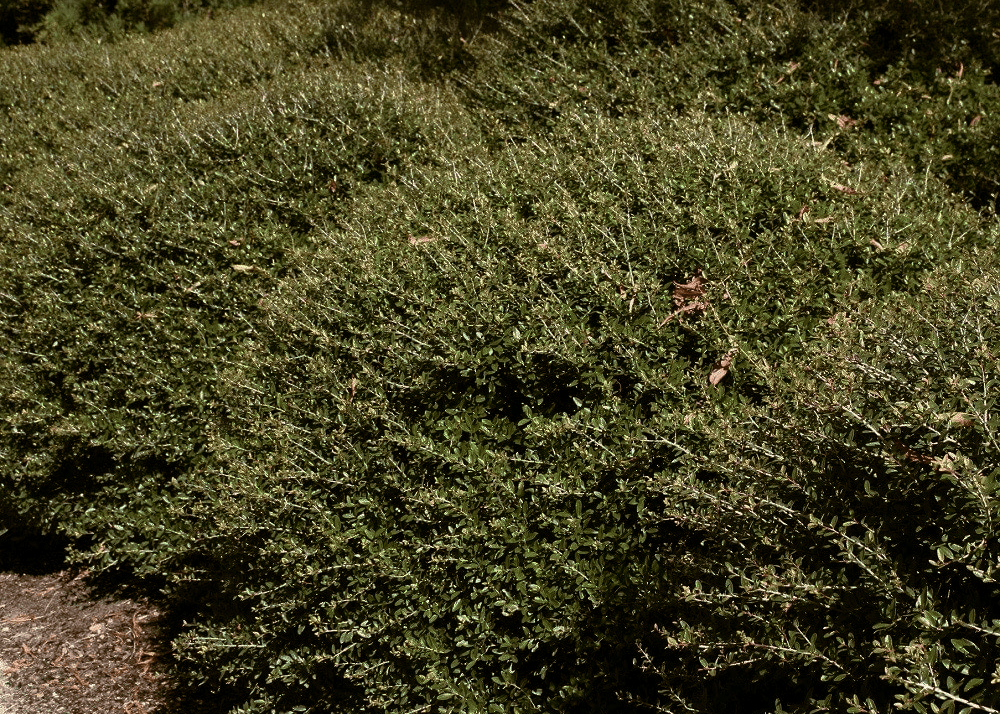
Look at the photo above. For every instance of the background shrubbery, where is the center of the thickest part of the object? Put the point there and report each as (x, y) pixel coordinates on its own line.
(567, 356)
(53, 21)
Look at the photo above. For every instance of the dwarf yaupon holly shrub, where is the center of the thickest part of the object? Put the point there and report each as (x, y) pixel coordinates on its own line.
(472, 421)
(150, 197)
(555, 383)
(916, 80)
(847, 527)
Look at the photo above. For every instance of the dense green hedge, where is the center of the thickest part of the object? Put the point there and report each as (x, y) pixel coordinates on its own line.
(852, 555)
(575, 357)
(929, 95)
(495, 423)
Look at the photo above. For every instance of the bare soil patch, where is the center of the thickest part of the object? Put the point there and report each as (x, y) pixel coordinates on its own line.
(64, 651)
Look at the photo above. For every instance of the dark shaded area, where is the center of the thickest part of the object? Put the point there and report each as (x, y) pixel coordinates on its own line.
(26, 21)
(18, 19)
(31, 553)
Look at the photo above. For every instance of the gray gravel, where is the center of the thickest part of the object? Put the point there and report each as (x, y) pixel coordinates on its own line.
(6, 700)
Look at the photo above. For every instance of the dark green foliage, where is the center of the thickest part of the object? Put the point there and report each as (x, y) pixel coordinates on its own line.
(925, 35)
(132, 277)
(503, 388)
(857, 566)
(564, 356)
(826, 74)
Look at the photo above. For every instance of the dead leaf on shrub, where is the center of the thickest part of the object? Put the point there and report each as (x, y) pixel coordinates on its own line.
(694, 288)
(843, 121)
(961, 419)
(721, 369)
(688, 298)
(911, 455)
(846, 189)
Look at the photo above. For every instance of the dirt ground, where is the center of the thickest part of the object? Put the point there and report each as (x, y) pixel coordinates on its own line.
(63, 651)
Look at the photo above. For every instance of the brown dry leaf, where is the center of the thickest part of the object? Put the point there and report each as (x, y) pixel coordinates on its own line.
(961, 419)
(687, 297)
(843, 121)
(912, 455)
(693, 289)
(721, 369)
